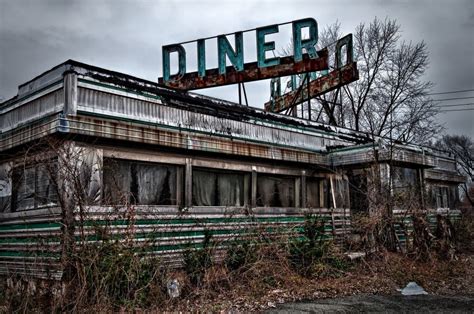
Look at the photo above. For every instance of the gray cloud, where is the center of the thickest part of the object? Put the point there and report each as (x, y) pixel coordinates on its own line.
(127, 36)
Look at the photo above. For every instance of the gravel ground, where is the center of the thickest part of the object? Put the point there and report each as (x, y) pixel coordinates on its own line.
(382, 303)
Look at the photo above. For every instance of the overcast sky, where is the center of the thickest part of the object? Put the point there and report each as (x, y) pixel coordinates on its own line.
(127, 36)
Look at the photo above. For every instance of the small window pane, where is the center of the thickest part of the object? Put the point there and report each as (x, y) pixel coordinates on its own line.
(46, 190)
(275, 191)
(24, 188)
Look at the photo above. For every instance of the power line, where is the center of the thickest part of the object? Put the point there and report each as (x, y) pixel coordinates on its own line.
(452, 110)
(455, 105)
(457, 98)
(453, 92)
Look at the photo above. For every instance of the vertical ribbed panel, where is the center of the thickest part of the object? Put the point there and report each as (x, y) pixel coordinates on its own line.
(33, 110)
(118, 106)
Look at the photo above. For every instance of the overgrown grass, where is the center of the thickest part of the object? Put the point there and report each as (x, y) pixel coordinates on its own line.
(113, 276)
(197, 261)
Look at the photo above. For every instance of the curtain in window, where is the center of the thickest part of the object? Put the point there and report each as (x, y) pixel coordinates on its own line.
(213, 188)
(117, 181)
(204, 188)
(452, 197)
(90, 168)
(230, 189)
(273, 191)
(139, 183)
(156, 184)
(327, 195)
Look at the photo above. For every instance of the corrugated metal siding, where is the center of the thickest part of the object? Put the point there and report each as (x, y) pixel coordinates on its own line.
(99, 102)
(188, 140)
(164, 232)
(404, 223)
(33, 110)
(30, 244)
(29, 133)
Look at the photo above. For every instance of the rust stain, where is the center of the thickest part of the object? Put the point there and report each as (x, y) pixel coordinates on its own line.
(251, 72)
(333, 80)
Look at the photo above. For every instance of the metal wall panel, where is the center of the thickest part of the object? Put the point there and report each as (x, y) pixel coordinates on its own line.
(30, 243)
(106, 104)
(33, 110)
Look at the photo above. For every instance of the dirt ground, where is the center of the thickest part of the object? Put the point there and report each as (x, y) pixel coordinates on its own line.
(369, 286)
(382, 303)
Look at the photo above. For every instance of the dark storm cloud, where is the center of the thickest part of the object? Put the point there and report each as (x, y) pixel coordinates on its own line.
(127, 36)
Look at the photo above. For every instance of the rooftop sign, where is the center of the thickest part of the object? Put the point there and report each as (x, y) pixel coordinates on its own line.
(305, 58)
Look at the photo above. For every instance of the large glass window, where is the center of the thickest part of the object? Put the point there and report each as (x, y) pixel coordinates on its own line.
(33, 187)
(220, 188)
(275, 191)
(131, 182)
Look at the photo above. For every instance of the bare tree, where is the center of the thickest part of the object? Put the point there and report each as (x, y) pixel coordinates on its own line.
(462, 147)
(390, 98)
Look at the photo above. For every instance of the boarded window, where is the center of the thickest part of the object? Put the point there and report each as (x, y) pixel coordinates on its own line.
(130, 182)
(33, 187)
(275, 191)
(220, 188)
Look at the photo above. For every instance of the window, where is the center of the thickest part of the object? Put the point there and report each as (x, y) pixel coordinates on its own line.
(312, 192)
(220, 188)
(275, 191)
(5, 187)
(358, 192)
(404, 178)
(441, 197)
(131, 182)
(406, 189)
(341, 191)
(33, 187)
(316, 186)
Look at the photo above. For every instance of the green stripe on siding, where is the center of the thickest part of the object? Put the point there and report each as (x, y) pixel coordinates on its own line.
(30, 226)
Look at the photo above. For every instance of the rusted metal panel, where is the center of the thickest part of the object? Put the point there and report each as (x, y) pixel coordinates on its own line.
(319, 86)
(251, 72)
(188, 140)
(246, 128)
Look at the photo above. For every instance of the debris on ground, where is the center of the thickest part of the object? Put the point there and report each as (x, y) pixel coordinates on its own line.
(413, 288)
